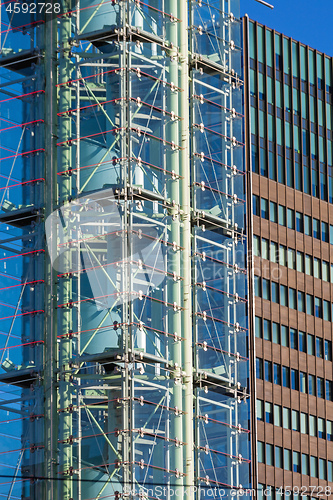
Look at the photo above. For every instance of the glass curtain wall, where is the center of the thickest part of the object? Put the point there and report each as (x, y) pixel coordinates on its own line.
(291, 112)
(22, 180)
(219, 249)
(94, 180)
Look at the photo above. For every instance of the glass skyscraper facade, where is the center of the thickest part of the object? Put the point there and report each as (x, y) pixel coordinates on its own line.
(291, 113)
(289, 100)
(124, 312)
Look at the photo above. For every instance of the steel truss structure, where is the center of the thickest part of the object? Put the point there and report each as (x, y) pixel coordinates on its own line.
(124, 358)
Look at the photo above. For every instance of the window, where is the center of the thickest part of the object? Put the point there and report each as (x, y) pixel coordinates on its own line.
(282, 215)
(287, 459)
(324, 232)
(302, 341)
(274, 253)
(261, 489)
(273, 211)
(276, 333)
(308, 265)
(299, 222)
(320, 388)
(304, 423)
(314, 466)
(257, 286)
(328, 350)
(267, 330)
(256, 246)
(316, 229)
(283, 295)
(284, 336)
(307, 225)
(322, 469)
(275, 292)
(265, 289)
(296, 462)
(291, 218)
(285, 376)
(278, 457)
(318, 308)
(301, 302)
(329, 430)
(278, 415)
(268, 371)
(277, 374)
(256, 205)
(302, 382)
(283, 255)
(319, 347)
(269, 454)
(293, 338)
(326, 310)
(268, 412)
(294, 379)
(264, 248)
(264, 208)
(309, 304)
(261, 452)
(259, 369)
(316, 268)
(325, 270)
(313, 425)
(312, 385)
(331, 235)
(292, 298)
(300, 262)
(291, 258)
(321, 428)
(329, 471)
(311, 344)
(305, 464)
(260, 410)
(295, 420)
(258, 327)
(329, 392)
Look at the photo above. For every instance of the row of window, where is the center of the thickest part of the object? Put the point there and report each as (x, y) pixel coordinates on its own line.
(299, 261)
(295, 492)
(290, 297)
(292, 219)
(295, 461)
(291, 168)
(266, 70)
(294, 379)
(294, 420)
(290, 337)
(292, 79)
(307, 64)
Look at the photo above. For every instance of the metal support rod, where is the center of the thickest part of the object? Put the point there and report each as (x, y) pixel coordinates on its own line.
(265, 3)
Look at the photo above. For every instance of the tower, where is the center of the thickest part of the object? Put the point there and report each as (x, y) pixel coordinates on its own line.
(128, 365)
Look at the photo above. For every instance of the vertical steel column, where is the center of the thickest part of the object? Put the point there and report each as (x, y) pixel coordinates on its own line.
(65, 284)
(184, 162)
(50, 332)
(174, 287)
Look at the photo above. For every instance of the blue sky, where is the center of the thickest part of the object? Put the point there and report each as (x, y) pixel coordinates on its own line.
(308, 21)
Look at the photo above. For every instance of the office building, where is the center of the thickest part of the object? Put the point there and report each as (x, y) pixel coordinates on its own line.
(288, 118)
